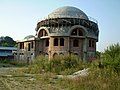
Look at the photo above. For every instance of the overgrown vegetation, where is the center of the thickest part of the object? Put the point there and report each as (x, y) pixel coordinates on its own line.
(58, 65)
(104, 74)
(111, 57)
(12, 63)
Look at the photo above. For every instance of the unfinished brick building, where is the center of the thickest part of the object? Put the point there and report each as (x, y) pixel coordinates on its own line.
(66, 30)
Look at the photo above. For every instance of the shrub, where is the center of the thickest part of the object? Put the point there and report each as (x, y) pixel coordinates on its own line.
(111, 57)
(59, 64)
(38, 65)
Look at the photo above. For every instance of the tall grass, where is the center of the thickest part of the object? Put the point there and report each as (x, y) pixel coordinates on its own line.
(59, 65)
(103, 73)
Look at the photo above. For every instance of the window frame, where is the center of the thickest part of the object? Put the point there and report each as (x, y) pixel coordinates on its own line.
(75, 43)
(62, 41)
(55, 41)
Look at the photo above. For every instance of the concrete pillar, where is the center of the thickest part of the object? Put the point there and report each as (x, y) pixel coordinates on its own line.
(68, 45)
(50, 46)
(43, 32)
(85, 50)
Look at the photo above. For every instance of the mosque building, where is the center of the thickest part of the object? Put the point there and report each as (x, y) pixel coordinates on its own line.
(64, 31)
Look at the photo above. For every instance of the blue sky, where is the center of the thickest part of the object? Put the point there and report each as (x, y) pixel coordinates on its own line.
(18, 18)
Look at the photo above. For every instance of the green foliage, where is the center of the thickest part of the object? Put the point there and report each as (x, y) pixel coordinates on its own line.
(12, 63)
(59, 64)
(7, 41)
(111, 57)
(38, 65)
(5, 61)
(98, 79)
(98, 54)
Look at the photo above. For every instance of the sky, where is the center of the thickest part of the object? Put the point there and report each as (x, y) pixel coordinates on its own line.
(18, 18)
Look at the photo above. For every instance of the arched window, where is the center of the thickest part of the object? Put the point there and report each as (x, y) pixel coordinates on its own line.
(42, 33)
(56, 42)
(47, 42)
(75, 43)
(74, 32)
(80, 33)
(77, 32)
(45, 33)
(61, 41)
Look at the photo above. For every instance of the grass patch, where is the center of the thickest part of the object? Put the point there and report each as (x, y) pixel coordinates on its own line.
(12, 63)
(58, 65)
(104, 74)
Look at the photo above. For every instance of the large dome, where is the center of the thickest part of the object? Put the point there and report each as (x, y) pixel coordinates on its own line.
(68, 12)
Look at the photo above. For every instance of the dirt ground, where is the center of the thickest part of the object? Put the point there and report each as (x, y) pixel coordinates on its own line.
(12, 79)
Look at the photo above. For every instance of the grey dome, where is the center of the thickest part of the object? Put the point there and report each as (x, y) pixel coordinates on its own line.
(29, 37)
(68, 12)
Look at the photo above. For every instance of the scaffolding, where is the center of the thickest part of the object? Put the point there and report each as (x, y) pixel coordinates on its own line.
(60, 20)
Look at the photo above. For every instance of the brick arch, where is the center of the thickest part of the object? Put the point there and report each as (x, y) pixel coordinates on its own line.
(40, 32)
(61, 54)
(55, 54)
(83, 29)
(76, 54)
(46, 54)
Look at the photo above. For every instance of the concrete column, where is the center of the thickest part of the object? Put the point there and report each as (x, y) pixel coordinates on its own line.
(85, 50)
(68, 45)
(43, 32)
(50, 46)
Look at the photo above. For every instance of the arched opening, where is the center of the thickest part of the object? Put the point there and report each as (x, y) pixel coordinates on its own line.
(47, 42)
(46, 55)
(54, 55)
(61, 41)
(56, 42)
(75, 43)
(77, 32)
(80, 33)
(74, 32)
(42, 33)
(61, 54)
(76, 54)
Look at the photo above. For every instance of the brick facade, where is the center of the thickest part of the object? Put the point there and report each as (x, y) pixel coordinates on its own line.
(62, 34)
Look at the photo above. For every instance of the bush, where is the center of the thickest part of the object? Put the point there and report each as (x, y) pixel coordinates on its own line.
(111, 57)
(38, 65)
(59, 64)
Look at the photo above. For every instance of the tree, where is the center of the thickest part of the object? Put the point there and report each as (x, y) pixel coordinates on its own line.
(98, 54)
(7, 41)
(111, 56)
